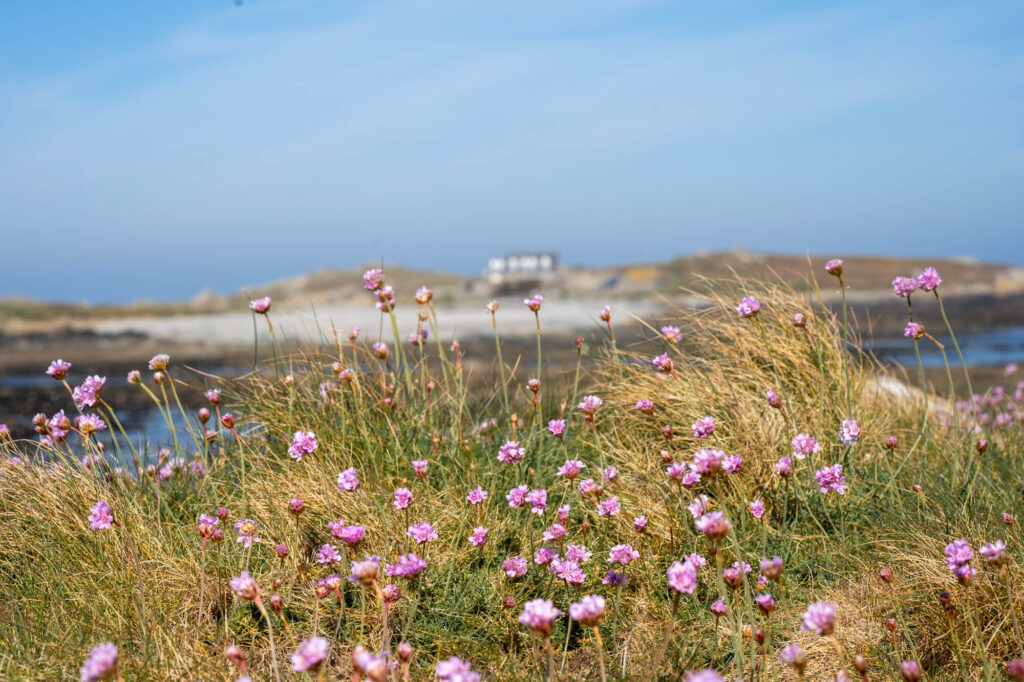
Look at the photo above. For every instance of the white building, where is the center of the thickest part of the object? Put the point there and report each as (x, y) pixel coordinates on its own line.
(523, 267)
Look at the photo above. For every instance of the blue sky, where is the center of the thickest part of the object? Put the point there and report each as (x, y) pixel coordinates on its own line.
(150, 150)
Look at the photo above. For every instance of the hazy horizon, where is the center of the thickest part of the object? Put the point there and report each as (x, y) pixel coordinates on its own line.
(151, 151)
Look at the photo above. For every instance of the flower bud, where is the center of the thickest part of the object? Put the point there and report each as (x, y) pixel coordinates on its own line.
(159, 377)
(404, 652)
(204, 414)
(228, 420)
(981, 446)
(276, 602)
(235, 654)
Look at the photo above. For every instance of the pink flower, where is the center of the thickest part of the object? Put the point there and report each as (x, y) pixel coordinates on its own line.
(244, 586)
(517, 496)
(578, 553)
(703, 427)
(206, 525)
(348, 480)
(772, 396)
(373, 279)
(675, 471)
(213, 395)
(587, 487)
(511, 452)
(260, 306)
(569, 571)
(732, 464)
(476, 495)
(696, 559)
(246, 532)
(419, 467)
(622, 554)
(913, 330)
(58, 369)
(748, 307)
(100, 664)
(714, 525)
(380, 349)
(533, 303)
(327, 554)
(555, 533)
(994, 552)
(609, 506)
(849, 432)
(303, 443)
(563, 513)
(408, 566)
(682, 577)
(804, 444)
(765, 603)
(719, 608)
(478, 537)
(928, 280)
(610, 475)
(640, 523)
(671, 334)
(100, 516)
(663, 363)
(544, 556)
(423, 295)
(606, 314)
(89, 423)
(422, 532)
(350, 535)
(402, 498)
(538, 500)
(757, 508)
(707, 461)
(834, 267)
(903, 286)
(784, 467)
(514, 567)
(557, 427)
(539, 615)
(645, 405)
(571, 468)
(88, 393)
(699, 506)
(456, 670)
(310, 654)
(820, 617)
(590, 404)
(831, 479)
(588, 611)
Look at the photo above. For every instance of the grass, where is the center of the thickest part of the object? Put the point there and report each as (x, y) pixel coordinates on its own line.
(139, 584)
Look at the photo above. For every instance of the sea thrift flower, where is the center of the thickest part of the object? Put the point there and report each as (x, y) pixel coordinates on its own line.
(707, 461)
(703, 427)
(699, 506)
(609, 506)
(799, 320)
(958, 553)
(719, 608)
(569, 571)
(589, 610)
(563, 513)
(587, 487)
(578, 553)
(88, 392)
(159, 362)
(784, 467)
(640, 523)
(517, 496)
(476, 495)
(831, 479)
(928, 280)
(281, 550)
(589, 405)
(676, 470)
(794, 656)
(994, 552)
(310, 654)
(732, 464)
(206, 525)
(690, 479)
(380, 349)
(514, 566)
(834, 267)
(260, 306)
(571, 468)
(348, 480)
(682, 577)
(772, 396)
(539, 615)
(696, 559)
(350, 535)
(757, 508)
(455, 669)
(706, 675)
(533, 303)
(244, 586)
(303, 443)
(610, 475)
(849, 432)
(511, 452)
(89, 423)
(538, 500)
(766, 603)
(748, 307)
(328, 554)
(622, 554)
(671, 334)
(555, 533)
(663, 363)
(101, 663)
(714, 525)
(772, 568)
(419, 467)
(365, 572)
(914, 330)
(804, 444)
(373, 279)
(910, 670)
(903, 286)
(423, 295)
(422, 532)
(478, 536)
(408, 566)
(614, 578)
(296, 506)
(645, 405)
(557, 427)
(544, 556)
(820, 617)
(100, 516)
(58, 369)
(246, 532)
(402, 498)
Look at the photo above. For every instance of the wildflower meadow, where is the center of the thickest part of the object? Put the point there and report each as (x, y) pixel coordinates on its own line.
(747, 495)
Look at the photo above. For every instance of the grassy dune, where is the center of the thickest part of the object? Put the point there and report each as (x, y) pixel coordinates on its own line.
(155, 588)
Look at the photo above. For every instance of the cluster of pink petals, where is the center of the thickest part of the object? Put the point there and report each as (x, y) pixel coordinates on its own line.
(310, 654)
(86, 394)
(514, 566)
(748, 307)
(348, 480)
(622, 554)
(557, 427)
(820, 617)
(455, 669)
(100, 664)
(590, 404)
(682, 577)
(58, 369)
(511, 452)
(402, 498)
(100, 516)
(703, 427)
(849, 432)
(407, 566)
(831, 479)
(589, 610)
(476, 495)
(303, 443)
(804, 444)
(422, 532)
(539, 615)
